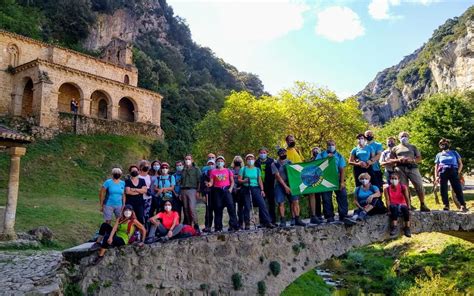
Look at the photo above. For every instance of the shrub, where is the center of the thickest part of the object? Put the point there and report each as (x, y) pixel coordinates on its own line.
(275, 268)
(237, 281)
(262, 288)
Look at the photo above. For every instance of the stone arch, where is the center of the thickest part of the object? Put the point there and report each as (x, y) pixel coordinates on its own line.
(127, 109)
(68, 91)
(14, 55)
(100, 105)
(27, 99)
(126, 79)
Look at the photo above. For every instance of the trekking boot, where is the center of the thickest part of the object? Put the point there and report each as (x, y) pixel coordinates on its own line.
(446, 208)
(164, 239)
(269, 225)
(207, 229)
(330, 220)
(348, 221)
(412, 208)
(150, 240)
(424, 208)
(362, 216)
(292, 222)
(393, 230)
(314, 220)
(464, 209)
(298, 222)
(196, 227)
(94, 247)
(282, 222)
(407, 231)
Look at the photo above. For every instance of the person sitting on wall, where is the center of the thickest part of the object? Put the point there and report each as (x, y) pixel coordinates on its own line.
(398, 203)
(367, 199)
(167, 224)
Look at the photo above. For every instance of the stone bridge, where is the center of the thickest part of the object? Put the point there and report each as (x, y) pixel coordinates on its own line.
(206, 265)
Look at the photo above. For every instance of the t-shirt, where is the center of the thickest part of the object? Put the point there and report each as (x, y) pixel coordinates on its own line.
(340, 161)
(147, 179)
(129, 183)
(386, 157)
(293, 155)
(279, 167)
(166, 182)
(448, 159)
(363, 153)
(252, 174)
(167, 219)
(114, 192)
(396, 196)
(406, 150)
(362, 194)
(123, 233)
(220, 177)
(376, 148)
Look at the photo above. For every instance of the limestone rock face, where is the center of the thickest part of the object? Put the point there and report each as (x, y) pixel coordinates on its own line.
(127, 25)
(451, 68)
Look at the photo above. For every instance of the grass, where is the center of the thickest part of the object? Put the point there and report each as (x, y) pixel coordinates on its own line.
(308, 284)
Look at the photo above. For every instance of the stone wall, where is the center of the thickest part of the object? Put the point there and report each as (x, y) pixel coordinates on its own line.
(201, 265)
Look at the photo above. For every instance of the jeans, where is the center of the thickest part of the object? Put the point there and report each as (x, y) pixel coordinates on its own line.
(188, 197)
(379, 208)
(342, 204)
(209, 216)
(377, 179)
(399, 210)
(138, 207)
(220, 198)
(162, 231)
(253, 195)
(451, 175)
(238, 199)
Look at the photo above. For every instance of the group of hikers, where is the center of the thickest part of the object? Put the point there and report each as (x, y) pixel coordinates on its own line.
(152, 204)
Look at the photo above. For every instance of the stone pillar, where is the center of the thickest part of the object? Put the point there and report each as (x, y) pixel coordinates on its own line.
(16, 105)
(45, 104)
(114, 111)
(8, 232)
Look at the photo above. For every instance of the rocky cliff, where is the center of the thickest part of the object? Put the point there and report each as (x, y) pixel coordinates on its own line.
(444, 63)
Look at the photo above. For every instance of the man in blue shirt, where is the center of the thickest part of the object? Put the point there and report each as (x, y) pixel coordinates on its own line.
(341, 194)
(377, 177)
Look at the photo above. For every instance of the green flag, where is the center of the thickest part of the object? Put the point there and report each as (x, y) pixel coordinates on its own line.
(311, 177)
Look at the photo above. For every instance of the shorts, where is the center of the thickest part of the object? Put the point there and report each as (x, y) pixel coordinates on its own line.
(110, 210)
(280, 195)
(412, 174)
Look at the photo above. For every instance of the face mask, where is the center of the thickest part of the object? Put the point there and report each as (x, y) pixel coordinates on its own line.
(237, 163)
(361, 142)
(315, 153)
(164, 171)
(331, 148)
(168, 208)
(444, 147)
(251, 162)
(220, 164)
(116, 176)
(145, 169)
(127, 214)
(390, 144)
(394, 181)
(156, 167)
(364, 181)
(188, 162)
(179, 168)
(134, 173)
(282, 157)
(404, 140)
(263, 155)
(291, 144)
(211, 166)
(370, 138)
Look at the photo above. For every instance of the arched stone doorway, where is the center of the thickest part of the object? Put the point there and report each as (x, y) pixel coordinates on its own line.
(126, 110)
(100, 105)
(67, 92)
(27, 99)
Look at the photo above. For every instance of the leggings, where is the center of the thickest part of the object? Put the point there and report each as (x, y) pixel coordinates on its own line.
(451, 175)
(162, 231)
(105, 230)
(398, 211)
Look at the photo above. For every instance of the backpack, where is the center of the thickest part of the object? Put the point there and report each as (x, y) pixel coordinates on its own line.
(188, 230)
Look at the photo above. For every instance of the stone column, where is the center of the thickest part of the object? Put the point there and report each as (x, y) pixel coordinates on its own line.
(8, 232)
(17, 100)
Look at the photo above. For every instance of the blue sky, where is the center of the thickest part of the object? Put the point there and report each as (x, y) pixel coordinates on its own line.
(339, 44)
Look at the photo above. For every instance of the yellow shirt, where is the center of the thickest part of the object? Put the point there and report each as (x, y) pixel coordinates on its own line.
(293, 155)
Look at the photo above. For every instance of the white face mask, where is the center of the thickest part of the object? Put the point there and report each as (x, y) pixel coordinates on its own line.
(251, 162)
(361, 142)
(404, 140)
(167, 208)
(394, 182)
(188, 161)
(165, 171)
(220, 164)
(364, 181)
(127, 214)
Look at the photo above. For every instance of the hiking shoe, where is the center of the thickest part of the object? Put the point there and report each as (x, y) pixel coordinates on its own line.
(150, 240)
(424, 208)
(348, 221)
(464, 209)
(362, 216)
(330, 220)
(292, 222)
(269, 225)
(412, 208)
(393, 231)
(407, 231)
(315, 220)
(298, 222)
(196, 227)
(282, 223)
(446, 208)
(97, 260)
(207, 229)
(94, 247)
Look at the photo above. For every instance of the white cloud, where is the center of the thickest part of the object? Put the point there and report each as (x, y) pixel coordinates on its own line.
(339, 23)
(379, 9)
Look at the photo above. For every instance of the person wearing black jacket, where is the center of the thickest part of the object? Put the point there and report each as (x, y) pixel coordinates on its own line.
(264, 163)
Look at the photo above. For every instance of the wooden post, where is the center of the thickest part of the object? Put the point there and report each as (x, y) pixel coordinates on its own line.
(8, 232)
